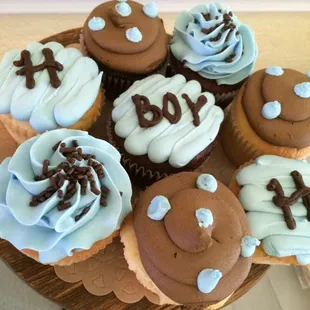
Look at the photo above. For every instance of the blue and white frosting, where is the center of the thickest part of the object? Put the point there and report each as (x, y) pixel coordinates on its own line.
(55, 234)
(197, 52)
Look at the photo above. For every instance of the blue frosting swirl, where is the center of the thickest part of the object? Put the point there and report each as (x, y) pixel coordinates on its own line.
(212, 42)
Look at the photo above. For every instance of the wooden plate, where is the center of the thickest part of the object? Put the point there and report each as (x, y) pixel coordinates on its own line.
(74, 296)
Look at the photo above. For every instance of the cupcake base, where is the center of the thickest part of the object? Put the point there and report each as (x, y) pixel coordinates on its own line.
(22, 130)
(77, 256)
(131, 253)
(224, 94)
(144, 172)
(241, 143)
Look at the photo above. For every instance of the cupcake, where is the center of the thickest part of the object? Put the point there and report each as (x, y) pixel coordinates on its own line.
(270, 115)
(127, 40)
(163, 126)
(274, 191)
(45, 87)
(189, 241)
(64, 195)
(211, 46)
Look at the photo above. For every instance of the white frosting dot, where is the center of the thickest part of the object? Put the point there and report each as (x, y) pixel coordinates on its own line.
(271, 109)
(96, 24)
(208, 279)
(204, 217)
(158, 208)
(207, 182)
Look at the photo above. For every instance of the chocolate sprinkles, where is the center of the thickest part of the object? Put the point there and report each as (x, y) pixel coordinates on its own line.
(66, 170)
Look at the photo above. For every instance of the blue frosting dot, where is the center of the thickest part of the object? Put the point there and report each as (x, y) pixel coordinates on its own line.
(271, 109)
(134, 35)
(151, 10)
(302, 90)
(308, 74)
(96, 24)
(158, 208)
(123, 9)
(207, 182)
(208, 279)
(248, 246)
(204, 217)
(303, 259)
(276, 71)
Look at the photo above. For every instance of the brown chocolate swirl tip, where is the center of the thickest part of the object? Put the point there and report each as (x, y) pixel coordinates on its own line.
(176, 249)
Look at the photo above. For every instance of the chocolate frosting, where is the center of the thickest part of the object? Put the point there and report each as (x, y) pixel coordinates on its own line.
(175, 250)
(291, 128)
(111, 47)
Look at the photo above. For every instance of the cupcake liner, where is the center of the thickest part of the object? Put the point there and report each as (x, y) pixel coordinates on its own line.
(22, 130)
(144, 176)
(115, 82)
(233, 140)
(141, 175)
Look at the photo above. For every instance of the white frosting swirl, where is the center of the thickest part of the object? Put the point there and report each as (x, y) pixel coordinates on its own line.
(177, 143)
(44, 106)
(265, 218)
(55, 234)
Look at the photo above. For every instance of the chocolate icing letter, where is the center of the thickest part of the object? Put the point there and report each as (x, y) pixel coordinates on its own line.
(286, 202)
(143, 106)
(29, 69)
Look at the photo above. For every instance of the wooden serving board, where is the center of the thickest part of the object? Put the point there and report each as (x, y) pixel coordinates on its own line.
(73, 296)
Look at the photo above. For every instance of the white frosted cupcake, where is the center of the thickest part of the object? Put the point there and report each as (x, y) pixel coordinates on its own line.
(48, 86)
(66, 194)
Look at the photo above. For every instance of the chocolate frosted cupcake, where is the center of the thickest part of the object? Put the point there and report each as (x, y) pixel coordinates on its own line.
(270, 115)
(163, 126)
(189, 241)
(128, 41)
(211, 46)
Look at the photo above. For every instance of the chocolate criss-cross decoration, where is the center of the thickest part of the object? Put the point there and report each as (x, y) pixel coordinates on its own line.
(302, 191)
(29, 69)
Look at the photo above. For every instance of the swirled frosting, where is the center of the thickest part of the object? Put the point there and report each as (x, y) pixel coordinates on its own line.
(52, 207)
(212, 42)
(176, 143)
(288, 124)
(44, 106)
(133, 40)
(176, 250)
(266, 220)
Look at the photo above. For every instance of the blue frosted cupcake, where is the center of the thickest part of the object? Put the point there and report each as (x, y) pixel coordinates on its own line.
(212, 46)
